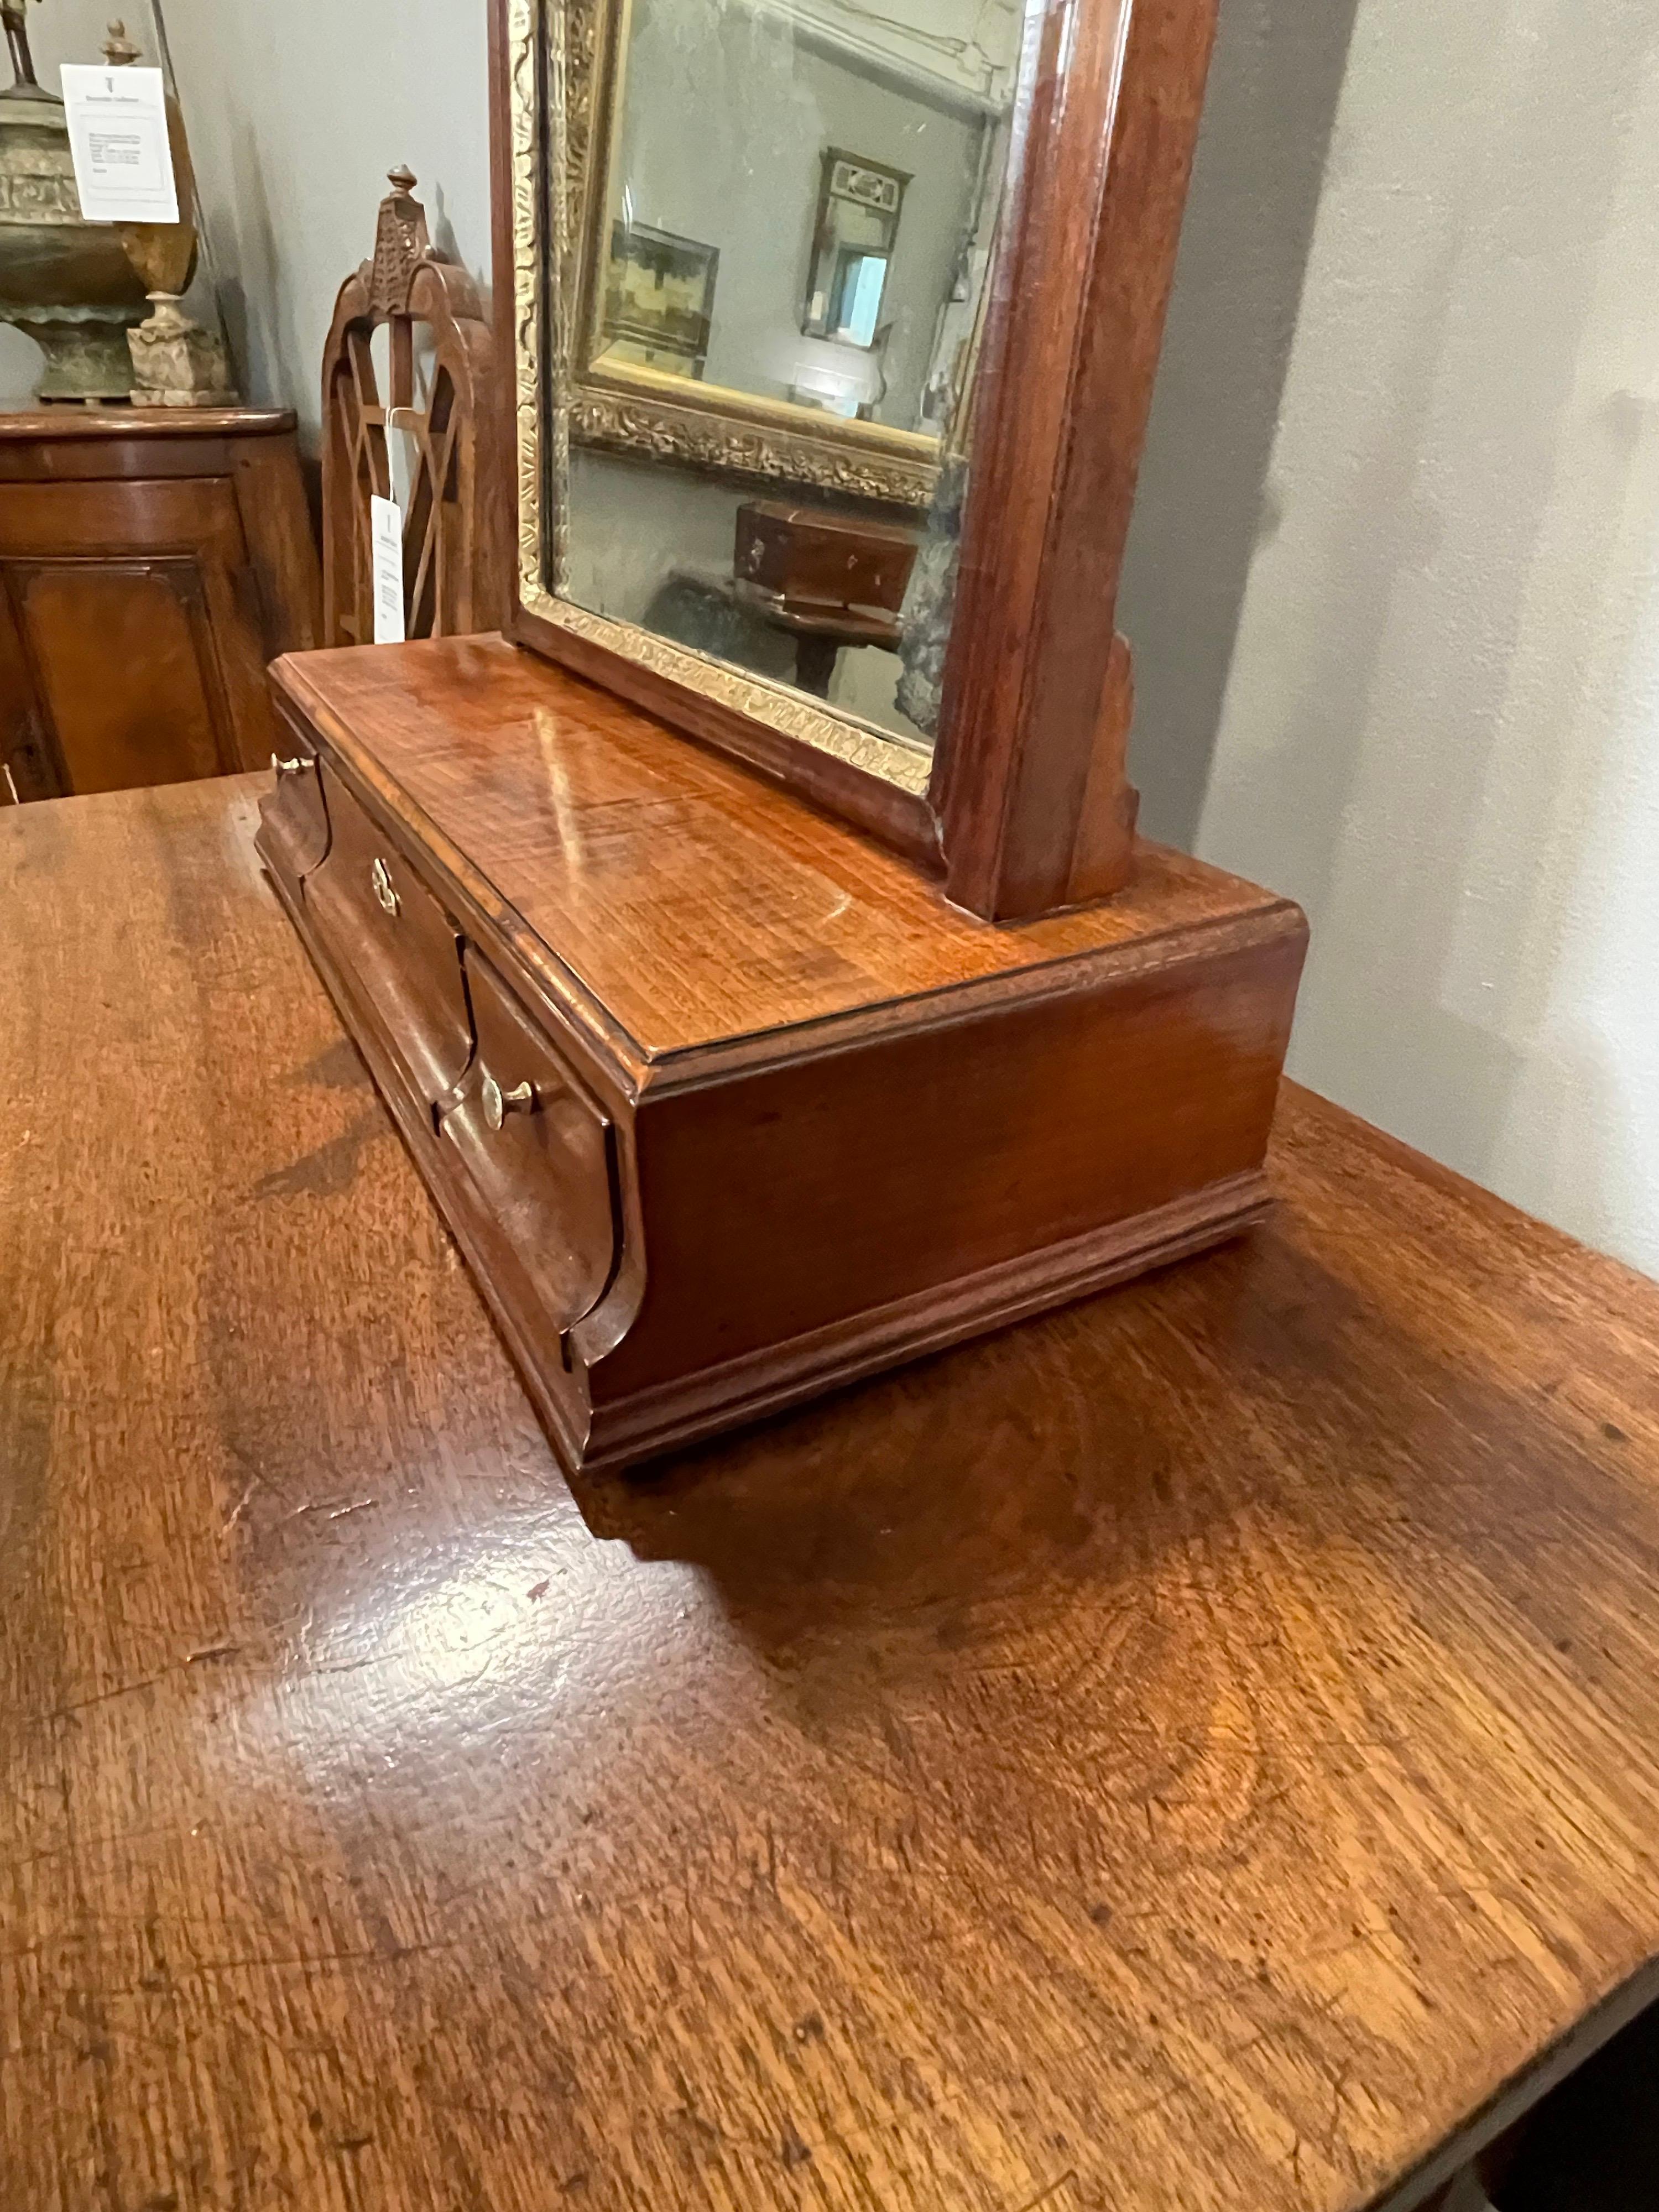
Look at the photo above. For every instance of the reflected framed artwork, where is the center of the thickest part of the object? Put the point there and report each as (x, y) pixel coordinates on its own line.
(658, 300)
(857, 230)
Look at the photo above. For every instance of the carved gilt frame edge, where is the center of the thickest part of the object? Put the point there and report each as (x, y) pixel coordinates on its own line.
(732, 443)
(791, 713)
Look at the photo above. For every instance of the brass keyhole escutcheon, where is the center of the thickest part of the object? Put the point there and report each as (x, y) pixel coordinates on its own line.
(379, 876)
(499, 1103)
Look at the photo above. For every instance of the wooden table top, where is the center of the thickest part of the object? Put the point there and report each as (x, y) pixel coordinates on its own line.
(1196, 1754)
(82, 423)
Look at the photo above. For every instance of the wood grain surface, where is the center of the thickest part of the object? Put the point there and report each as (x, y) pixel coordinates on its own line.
(849, 1124)
(690, 901)
(30, 425)
(1197, 1751)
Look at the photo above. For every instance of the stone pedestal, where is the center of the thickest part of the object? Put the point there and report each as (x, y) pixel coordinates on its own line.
(175, 362)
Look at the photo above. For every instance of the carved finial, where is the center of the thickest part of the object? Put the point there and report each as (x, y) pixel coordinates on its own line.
(400, 243)
(119, 49)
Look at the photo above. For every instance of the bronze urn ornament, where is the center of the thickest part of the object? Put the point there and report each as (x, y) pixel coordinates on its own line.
(82, 290)
(68, 284)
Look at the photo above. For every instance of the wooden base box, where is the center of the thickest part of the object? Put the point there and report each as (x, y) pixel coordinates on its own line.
(725, 1105)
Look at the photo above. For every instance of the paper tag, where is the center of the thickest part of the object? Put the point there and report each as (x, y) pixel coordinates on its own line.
(386, 530)
(117, 128)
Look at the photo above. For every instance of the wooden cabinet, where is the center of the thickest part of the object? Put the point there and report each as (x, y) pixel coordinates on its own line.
(151, 565)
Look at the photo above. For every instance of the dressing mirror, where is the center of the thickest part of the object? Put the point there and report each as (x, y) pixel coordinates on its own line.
(831, 339)
(833, 334)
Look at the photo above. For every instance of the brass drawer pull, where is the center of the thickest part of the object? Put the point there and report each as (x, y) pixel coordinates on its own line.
(379, 876)
(297, 766)
(499, 1103)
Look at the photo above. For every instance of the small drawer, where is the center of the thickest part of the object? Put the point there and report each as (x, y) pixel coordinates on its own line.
(539, 1159)
(294, 817)
(396, 951)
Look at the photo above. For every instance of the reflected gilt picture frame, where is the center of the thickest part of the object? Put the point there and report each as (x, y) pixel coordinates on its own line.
(626, 407)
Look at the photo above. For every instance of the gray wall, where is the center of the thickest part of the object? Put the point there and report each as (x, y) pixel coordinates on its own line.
(1399, 629)
(1393, 583)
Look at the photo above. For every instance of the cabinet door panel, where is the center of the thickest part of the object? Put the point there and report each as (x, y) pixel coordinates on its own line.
(143, 620)
(28, 764)
(124, 657)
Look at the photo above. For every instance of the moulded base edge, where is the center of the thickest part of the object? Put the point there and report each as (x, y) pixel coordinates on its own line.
(691, 1408)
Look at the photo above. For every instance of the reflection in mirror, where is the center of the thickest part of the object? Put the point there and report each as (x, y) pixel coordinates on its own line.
(791, 214)
(658, 299)
(852, 250)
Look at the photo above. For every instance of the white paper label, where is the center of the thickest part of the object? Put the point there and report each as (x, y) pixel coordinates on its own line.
(386, 529)
(117, 128)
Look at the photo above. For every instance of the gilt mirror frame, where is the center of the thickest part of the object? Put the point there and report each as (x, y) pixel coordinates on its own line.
(1023, 806)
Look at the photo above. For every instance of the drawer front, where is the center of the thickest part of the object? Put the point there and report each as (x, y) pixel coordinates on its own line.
(294, 817)
(398, 952)
(539, 1160)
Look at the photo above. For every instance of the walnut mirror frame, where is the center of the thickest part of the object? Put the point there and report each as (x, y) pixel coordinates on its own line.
(1023, 806)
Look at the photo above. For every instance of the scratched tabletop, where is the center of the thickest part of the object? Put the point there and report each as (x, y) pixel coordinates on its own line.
(1196, 1753)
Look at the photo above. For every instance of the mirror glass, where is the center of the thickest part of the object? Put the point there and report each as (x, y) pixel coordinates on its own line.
(788, 218)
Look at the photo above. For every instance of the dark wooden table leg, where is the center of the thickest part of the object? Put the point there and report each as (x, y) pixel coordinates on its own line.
(815, 664)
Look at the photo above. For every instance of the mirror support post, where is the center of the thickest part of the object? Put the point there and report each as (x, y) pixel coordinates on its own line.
(1035, 808)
